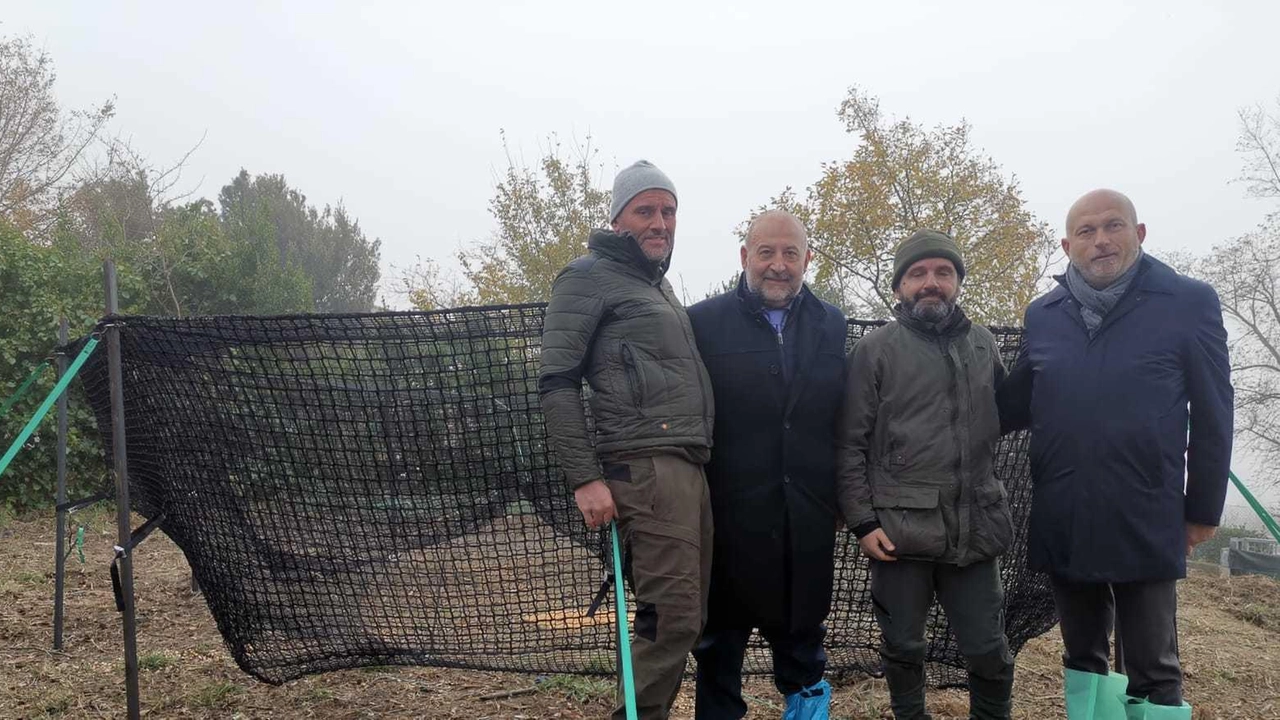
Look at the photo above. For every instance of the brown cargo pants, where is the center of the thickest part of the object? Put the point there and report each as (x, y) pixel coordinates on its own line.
(664, 514)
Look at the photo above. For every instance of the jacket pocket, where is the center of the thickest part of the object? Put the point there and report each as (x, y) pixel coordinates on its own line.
(910, 516)
(632, 484)
(893, 458)
(631, 369)
(992, 522)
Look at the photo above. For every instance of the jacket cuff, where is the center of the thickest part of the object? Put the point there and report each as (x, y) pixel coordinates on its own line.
(1210, 520)
(866, 528)
(576, 481)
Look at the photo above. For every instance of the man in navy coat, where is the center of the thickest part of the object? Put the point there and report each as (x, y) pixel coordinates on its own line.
(1124, 381)
(775, 354)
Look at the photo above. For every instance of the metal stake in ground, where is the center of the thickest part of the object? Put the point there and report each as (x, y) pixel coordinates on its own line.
(124, 525)
(60, 556)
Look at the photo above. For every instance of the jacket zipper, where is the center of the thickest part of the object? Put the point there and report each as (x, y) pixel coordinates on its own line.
(633, 381)
(955, 419)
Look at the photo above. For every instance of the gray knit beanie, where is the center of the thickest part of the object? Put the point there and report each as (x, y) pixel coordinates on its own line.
(633, 180)
(925, 244)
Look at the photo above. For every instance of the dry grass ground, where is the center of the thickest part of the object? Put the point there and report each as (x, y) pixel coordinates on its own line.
(1230, 637)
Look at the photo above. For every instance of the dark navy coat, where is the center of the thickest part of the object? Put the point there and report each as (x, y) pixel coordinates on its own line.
(1116, 473)
(772, 469)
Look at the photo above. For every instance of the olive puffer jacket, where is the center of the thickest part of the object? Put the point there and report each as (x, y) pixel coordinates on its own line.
(614, 320)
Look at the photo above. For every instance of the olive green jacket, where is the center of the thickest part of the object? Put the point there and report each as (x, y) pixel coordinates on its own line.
(917, 438)
(614, 320)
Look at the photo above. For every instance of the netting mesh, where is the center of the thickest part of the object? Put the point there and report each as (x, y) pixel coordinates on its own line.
(355, 490)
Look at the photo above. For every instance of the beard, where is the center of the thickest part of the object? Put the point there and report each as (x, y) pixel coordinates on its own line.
(929, 306)
(656, 253)
(774, 294)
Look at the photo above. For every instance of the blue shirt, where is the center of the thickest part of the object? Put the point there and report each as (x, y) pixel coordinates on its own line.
(777, 319)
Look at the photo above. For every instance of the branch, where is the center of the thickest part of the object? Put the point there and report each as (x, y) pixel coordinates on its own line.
(1254, 135)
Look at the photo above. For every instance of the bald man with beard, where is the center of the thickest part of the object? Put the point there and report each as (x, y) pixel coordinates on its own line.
(1124, 381)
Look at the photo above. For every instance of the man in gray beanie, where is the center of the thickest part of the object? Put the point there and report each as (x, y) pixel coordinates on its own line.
(614, 320)
(915, 480)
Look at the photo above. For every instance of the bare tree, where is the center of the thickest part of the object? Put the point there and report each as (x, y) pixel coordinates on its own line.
(126, 209)
(40, 145)
(1246, 274)
(1259, 142)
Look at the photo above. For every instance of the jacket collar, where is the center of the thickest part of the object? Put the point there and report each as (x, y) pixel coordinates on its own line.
(751, 304)
(623, 248)
(1153, 277)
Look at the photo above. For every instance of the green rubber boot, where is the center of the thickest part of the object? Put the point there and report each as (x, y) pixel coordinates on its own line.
(1111, 696)
(1091, 696)
(1136, 709)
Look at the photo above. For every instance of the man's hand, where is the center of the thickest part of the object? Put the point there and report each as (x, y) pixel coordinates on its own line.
(1197, 534)
(596, 503)
(876, 545)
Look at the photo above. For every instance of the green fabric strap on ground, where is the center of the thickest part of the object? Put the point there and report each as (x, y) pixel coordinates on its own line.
(624, 634)
(31, 425)
(22, 389)
(1267, 520)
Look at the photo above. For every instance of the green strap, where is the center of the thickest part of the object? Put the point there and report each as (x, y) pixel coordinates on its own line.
(1267, 520)
(22, 389)
(63, 382)
(624, 634)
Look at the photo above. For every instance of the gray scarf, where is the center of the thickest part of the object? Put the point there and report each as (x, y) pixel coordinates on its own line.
(1095, 303)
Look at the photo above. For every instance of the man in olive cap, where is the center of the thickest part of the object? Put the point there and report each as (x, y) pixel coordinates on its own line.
(614, 320)
(915, 479)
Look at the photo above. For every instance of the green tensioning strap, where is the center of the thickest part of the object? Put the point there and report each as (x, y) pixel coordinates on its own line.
(22, 389)
(624, 634)
(63, 382)
(1267, 520)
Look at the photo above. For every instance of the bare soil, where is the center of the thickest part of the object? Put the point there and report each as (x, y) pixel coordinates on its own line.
(1229, 638)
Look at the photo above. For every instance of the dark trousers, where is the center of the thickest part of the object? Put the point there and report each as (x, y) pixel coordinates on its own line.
(902, 592)
(664, 511)
(1146, 613)
(798, 662)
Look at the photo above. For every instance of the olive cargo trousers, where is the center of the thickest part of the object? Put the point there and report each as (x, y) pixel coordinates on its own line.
(664, 511)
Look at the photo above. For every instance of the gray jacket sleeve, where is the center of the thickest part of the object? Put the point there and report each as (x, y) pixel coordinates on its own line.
(572, 317)
(857, 422)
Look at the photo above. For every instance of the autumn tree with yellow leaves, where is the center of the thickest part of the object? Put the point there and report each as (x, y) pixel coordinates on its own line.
(544, 215)
(903, 177)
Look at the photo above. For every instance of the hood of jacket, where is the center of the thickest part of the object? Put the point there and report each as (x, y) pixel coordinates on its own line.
(623, 248)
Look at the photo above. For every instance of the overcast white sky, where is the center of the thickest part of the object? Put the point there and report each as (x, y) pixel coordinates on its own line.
(395, 108)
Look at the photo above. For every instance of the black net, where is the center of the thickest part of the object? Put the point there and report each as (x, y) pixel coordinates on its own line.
(355, 490)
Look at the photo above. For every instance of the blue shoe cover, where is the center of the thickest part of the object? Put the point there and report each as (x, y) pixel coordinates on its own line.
(811, 703)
